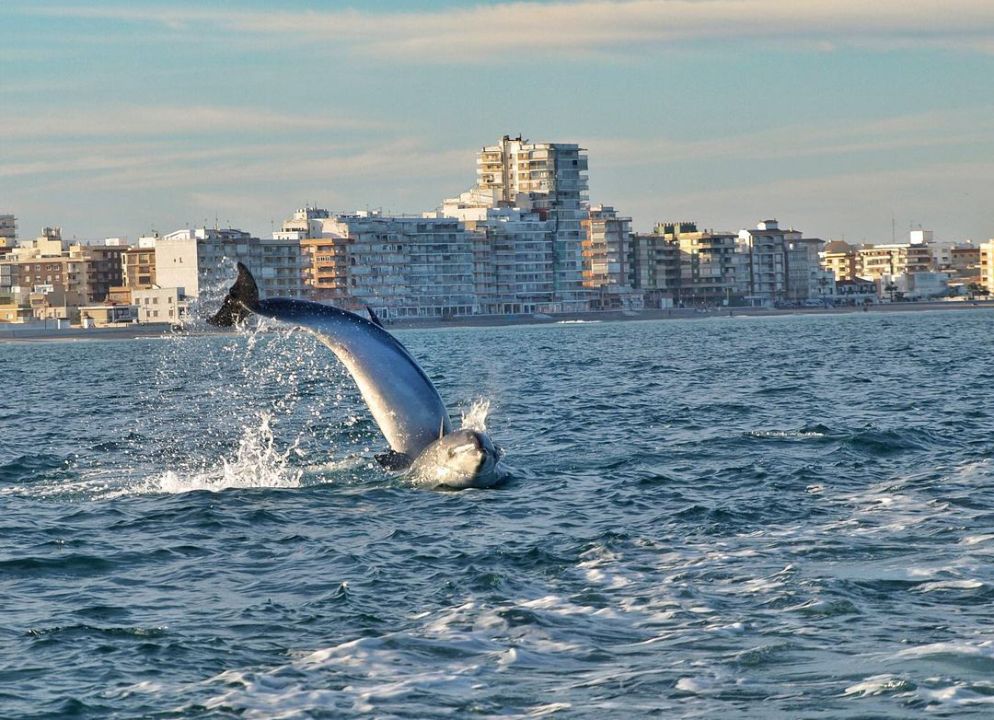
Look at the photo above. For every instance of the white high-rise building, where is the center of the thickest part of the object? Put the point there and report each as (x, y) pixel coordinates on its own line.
(551, 180)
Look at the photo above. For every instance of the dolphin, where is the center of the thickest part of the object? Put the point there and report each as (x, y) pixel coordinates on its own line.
(400, 396)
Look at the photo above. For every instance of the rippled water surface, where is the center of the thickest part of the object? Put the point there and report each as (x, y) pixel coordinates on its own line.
(780, 517)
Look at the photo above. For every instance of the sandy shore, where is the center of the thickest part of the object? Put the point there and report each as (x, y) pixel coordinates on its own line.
(683, 314)
(15, 333)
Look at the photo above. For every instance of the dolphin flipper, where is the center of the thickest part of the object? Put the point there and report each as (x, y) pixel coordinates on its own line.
(393, 460)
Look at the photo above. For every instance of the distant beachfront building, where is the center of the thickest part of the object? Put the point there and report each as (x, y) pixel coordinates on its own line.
(8, 233)
(807, 281)
(778, 264)
(839, 258)
(876, 261)
(856, 292)
(45, 273)
(203, 259)
(707, 262)
(159, 305)
(402, 266)
(513, 254)
(551, 180)
(918, 285)
(654, 268)
(407, 266)
(987, 266)
(605, 247)
(764, 267)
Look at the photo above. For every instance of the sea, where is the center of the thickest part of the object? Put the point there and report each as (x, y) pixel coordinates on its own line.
(748, 517)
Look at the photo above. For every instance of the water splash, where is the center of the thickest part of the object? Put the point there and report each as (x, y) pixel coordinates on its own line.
(256, 463)
(476, 417)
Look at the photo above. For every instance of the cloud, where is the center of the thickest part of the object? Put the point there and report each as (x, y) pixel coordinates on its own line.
(857, 204)
(921, 130)
(170, 120)
(513, 30)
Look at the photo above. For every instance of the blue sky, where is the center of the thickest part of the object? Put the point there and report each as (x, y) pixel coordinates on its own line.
(834, 117)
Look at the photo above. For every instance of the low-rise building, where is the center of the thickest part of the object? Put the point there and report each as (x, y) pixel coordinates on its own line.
(858, 291)
(918, 285)
(107, 315)
(839, 258)
(159, 305)
(876, 261)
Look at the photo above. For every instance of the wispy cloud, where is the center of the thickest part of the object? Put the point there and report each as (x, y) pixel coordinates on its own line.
(162, 121)
(826, 205)
(508, 31)
(934, 129)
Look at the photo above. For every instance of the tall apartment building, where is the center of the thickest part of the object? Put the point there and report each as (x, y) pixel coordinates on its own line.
(8, 234)
(764, 266)
(987, 266)
(777, 264)
(202, 260)
(550, 179)
(513, 260)
(605, 247)
(708, 262)
(806, 279)
(654, 267)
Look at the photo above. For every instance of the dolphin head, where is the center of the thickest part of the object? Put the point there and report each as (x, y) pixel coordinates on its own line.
(461, 459)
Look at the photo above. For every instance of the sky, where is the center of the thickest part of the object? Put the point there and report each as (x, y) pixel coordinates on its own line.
(844, 119)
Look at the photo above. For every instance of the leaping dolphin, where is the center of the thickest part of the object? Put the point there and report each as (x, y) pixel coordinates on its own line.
(401, 398)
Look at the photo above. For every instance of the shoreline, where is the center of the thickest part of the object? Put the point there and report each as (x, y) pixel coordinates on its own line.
(14, 334)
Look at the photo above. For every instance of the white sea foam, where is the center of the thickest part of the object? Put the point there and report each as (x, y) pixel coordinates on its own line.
(257, 462)
(968, 584)
(983, 649)
(879, 685)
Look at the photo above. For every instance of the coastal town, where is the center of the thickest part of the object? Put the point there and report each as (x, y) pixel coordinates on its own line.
(523, 241)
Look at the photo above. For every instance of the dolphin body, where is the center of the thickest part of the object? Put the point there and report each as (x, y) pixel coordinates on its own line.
(400, 396)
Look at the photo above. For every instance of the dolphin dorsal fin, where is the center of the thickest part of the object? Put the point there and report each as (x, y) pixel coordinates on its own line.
(373, 317)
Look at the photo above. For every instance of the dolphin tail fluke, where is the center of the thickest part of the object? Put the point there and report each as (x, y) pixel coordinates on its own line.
(242, 299)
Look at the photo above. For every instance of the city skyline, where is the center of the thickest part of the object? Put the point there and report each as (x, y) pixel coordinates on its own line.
(836, 118)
